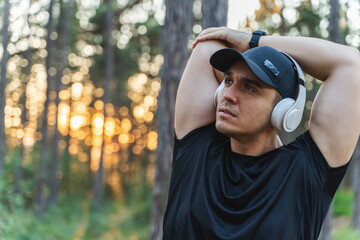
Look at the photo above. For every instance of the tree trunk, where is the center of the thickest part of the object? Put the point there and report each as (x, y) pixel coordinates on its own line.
(20, 168)
(109, 72)
(325, 233)
(214, 13)
(40, 201)
(356, 187)
(64, 46)
(3, 82)
(346, 31)
(334, 21)
(282, 27)
(176, 32)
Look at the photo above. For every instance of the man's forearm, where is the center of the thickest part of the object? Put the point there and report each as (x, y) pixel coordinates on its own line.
(317, 57)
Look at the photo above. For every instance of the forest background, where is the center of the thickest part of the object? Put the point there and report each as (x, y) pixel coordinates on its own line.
(86, 110)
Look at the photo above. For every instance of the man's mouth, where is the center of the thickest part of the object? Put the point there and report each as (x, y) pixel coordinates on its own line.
(227, 111)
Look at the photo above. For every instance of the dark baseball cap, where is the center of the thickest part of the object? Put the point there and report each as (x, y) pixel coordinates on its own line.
(268, 64)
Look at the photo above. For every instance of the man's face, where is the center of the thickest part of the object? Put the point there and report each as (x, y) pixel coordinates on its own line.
(245, 103)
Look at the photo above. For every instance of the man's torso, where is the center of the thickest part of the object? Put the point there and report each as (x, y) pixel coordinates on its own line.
(218, 194)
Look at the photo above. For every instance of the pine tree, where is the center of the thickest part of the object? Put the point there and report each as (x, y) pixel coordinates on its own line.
(177, 29)
(3, 82)
(40, 199)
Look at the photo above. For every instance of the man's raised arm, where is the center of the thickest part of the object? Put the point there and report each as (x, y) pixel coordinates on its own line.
(335, 117)
(194, 105)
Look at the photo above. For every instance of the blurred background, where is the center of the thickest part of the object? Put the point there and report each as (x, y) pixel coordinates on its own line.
(87, 100)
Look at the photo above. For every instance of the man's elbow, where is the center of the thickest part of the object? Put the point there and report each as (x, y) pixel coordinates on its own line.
(350, 68)
(353, 59)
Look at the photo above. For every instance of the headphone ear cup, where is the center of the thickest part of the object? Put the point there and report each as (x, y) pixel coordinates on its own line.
(292, 119)
(279, 112)
(293, 116)
(217, 93)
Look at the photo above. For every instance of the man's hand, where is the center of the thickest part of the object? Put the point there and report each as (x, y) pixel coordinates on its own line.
(233, 38)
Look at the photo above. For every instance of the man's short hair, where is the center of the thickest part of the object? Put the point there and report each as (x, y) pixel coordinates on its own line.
(277, 99)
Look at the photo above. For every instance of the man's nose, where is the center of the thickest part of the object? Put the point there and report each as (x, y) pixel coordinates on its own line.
(230, 94)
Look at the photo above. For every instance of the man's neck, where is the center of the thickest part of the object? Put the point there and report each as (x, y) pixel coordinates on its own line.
(255, 145)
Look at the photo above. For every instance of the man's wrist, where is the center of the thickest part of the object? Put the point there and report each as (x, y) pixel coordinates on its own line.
(254, 41)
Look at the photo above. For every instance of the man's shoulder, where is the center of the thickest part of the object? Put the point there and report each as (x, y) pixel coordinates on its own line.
(199, 143)
(301, 142)
(203, 133)
(304, 147)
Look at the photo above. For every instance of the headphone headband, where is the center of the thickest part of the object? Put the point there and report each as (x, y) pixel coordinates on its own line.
(298, 69)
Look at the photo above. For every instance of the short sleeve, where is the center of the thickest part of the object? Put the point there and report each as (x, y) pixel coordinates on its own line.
(194, 140)
(329, 177)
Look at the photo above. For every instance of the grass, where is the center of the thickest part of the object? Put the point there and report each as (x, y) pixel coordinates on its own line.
(74, 218)
(345, 233)
(342, 209)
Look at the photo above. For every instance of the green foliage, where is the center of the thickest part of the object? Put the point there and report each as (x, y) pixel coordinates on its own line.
(74, 218)
(343, 203)
(346, 234)
(11, 205)
(11, 223)
(308, 22)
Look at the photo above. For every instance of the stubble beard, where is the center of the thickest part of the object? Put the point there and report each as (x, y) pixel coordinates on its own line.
(246, 132)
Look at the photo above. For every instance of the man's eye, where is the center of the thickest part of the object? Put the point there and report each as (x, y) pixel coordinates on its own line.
(228, 81)
(248, 87)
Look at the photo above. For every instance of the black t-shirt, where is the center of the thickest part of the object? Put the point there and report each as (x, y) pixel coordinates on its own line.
(219, 194)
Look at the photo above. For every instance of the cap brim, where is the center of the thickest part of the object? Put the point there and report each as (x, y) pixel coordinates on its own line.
(224, 58)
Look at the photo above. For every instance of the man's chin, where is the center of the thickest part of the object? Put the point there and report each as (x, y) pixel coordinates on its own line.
(224, 128)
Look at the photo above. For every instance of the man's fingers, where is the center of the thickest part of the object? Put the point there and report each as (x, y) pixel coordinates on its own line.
(208, 31)
(212, 29)
(216, 35)
(236, 39)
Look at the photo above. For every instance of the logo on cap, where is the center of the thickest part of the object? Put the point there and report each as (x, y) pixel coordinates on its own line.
(271, 67)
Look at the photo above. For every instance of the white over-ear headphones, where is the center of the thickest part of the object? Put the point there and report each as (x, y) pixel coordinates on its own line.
(287, 113)
(217, 93)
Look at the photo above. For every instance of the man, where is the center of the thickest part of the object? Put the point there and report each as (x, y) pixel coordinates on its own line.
(231, 177)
